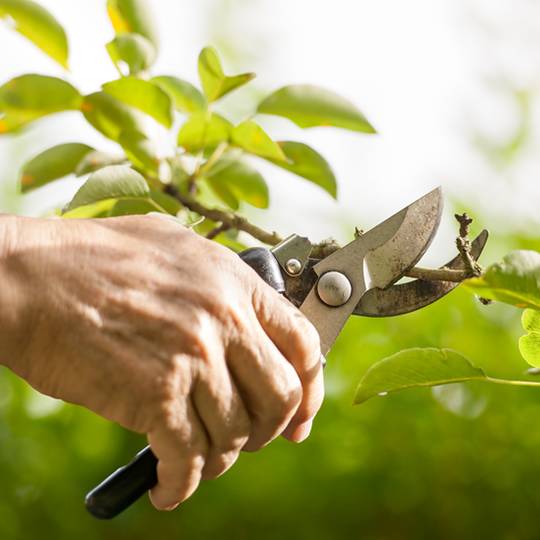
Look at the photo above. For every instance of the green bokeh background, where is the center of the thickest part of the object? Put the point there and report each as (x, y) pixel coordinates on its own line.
(460, 462)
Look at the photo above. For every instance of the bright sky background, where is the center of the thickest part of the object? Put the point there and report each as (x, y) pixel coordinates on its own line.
(434, 77)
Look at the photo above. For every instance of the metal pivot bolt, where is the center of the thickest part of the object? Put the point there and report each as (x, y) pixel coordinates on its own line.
(334, 289)
(293, 266)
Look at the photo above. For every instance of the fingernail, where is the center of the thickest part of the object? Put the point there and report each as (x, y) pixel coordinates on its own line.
(172, 507)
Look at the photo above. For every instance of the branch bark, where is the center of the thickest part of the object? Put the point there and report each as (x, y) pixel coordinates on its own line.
(229, 220)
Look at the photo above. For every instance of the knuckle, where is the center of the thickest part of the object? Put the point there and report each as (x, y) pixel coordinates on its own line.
(219, 463)
(305, 341)
(283, 404)
(231, 444)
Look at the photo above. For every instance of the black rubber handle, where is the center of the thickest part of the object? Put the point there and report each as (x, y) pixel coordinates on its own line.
(125, 485)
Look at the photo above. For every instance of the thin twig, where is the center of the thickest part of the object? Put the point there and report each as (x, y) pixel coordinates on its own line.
(216, 231)
(232, 220)
(438, 274)
(463, 245)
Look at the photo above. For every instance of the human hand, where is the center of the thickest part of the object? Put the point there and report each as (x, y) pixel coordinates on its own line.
(166, 333)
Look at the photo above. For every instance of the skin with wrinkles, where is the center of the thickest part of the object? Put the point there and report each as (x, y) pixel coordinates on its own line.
(151, 326)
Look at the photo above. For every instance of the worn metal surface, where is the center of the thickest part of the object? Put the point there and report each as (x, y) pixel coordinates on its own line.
(296, 248)
(413, 295)
(395, 300)
(378, 258)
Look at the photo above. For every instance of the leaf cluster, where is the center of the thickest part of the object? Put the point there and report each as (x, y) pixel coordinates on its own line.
(207, 158)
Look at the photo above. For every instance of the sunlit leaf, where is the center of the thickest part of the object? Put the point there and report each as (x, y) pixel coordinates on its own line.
(515, 280)
(54, 163)
(133, 16)
(96, 160)
(529, 345)
(110, 116)
(95, 210)
(412, 368)
(185, 96)
(39, 26)
(143, 95)
(141, 151)
(306, 162)
(253, 139)
(233, 181)
(311, 106)
(115, 182)
(204, 130)
(213, 79)
(157, 200)
(14, 122)
(135, 50)
(29, 97)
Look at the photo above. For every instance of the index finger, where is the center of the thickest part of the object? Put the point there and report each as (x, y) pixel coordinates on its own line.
(298, 341)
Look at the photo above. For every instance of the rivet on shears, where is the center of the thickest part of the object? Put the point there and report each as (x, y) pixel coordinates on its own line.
(293, 266)
(334, 289)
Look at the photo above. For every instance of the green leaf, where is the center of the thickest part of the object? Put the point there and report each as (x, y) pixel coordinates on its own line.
(115, 182)
(529, 345)
(129, 207)
(29, 97)
(204, 130)
(515, 280)
(311, 106)
(133, 16)
(213, 79)
(110, 116)
(233, 181)
(306, 162)
(39, 26)
(141, 151)
(253, 139)
(54, 163)
(135, 50)
(97, 210)
(412, 368)
(185, 96)
(143, 95)
(13, 122)
(96, 160)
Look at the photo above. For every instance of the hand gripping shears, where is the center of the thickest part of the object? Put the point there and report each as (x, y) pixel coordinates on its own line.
(359, 278)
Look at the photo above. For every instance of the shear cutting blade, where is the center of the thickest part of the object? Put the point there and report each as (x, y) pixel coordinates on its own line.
(376, 259)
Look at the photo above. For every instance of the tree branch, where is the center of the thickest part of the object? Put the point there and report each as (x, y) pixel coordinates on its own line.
(438, 274)
(229, 220)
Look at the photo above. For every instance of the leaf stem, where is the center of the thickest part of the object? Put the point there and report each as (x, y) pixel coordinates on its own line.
(158, 207)
(216, 156)
(511, 382)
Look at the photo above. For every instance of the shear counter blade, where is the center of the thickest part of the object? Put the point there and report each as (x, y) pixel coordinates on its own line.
(378, 258)
(407, 297)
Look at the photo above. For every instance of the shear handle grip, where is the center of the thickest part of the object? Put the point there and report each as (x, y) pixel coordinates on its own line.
(125, 485)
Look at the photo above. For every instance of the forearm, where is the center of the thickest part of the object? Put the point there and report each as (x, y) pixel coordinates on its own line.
(13, 317)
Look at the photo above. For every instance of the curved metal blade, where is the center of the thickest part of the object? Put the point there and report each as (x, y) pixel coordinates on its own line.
(388, 262)
(407, 297)
(378, 258)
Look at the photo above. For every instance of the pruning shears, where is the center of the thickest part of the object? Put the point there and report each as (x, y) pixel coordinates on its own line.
(357, 279)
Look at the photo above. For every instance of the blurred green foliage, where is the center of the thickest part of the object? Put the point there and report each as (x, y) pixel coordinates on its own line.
(402, 466)
(449, 464)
